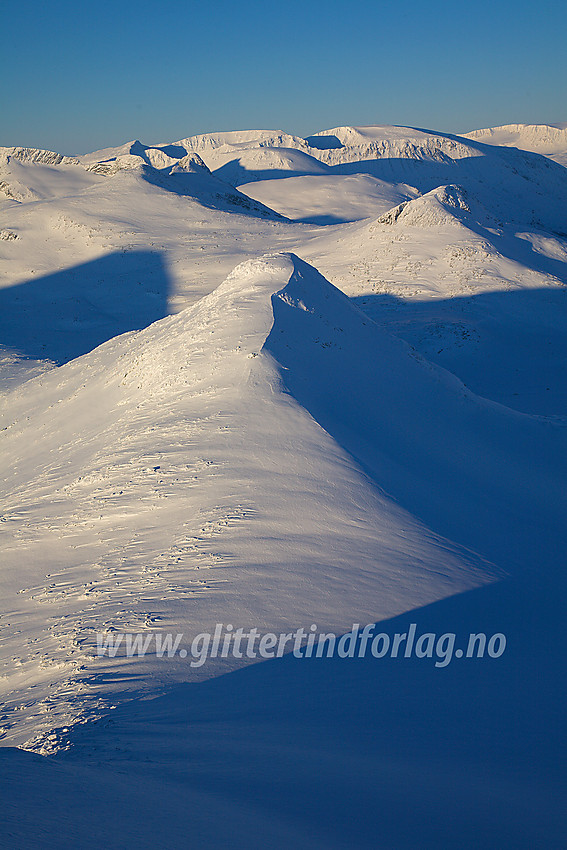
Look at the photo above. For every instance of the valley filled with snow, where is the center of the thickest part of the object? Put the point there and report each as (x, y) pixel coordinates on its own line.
(277, 383)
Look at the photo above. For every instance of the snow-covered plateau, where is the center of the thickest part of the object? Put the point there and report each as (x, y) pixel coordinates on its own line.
(272, 383)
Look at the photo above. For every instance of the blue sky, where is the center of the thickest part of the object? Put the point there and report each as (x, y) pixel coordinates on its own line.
(80, 77)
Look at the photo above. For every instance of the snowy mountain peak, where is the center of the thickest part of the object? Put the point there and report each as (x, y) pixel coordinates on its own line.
(191, 162)
(445, 205)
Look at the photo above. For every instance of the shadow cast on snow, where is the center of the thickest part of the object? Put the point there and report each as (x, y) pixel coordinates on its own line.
(63, 315)
(508, 346)
(207, 190)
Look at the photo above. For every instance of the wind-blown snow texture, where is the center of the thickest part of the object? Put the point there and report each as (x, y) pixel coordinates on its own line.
(256, 379)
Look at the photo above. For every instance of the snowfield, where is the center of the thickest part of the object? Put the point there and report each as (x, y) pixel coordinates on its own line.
(253, 379)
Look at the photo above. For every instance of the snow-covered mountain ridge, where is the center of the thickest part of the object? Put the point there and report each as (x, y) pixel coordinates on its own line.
(333, 395)
(184, 444)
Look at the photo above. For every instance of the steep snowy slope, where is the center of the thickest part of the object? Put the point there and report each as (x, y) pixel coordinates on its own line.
(172, 479)
(547, 139)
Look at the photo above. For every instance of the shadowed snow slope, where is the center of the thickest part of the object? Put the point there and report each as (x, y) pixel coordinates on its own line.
(325, 753)
(418, 431)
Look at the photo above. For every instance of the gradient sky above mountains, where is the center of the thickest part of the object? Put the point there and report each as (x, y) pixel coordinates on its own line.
(78, 78)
